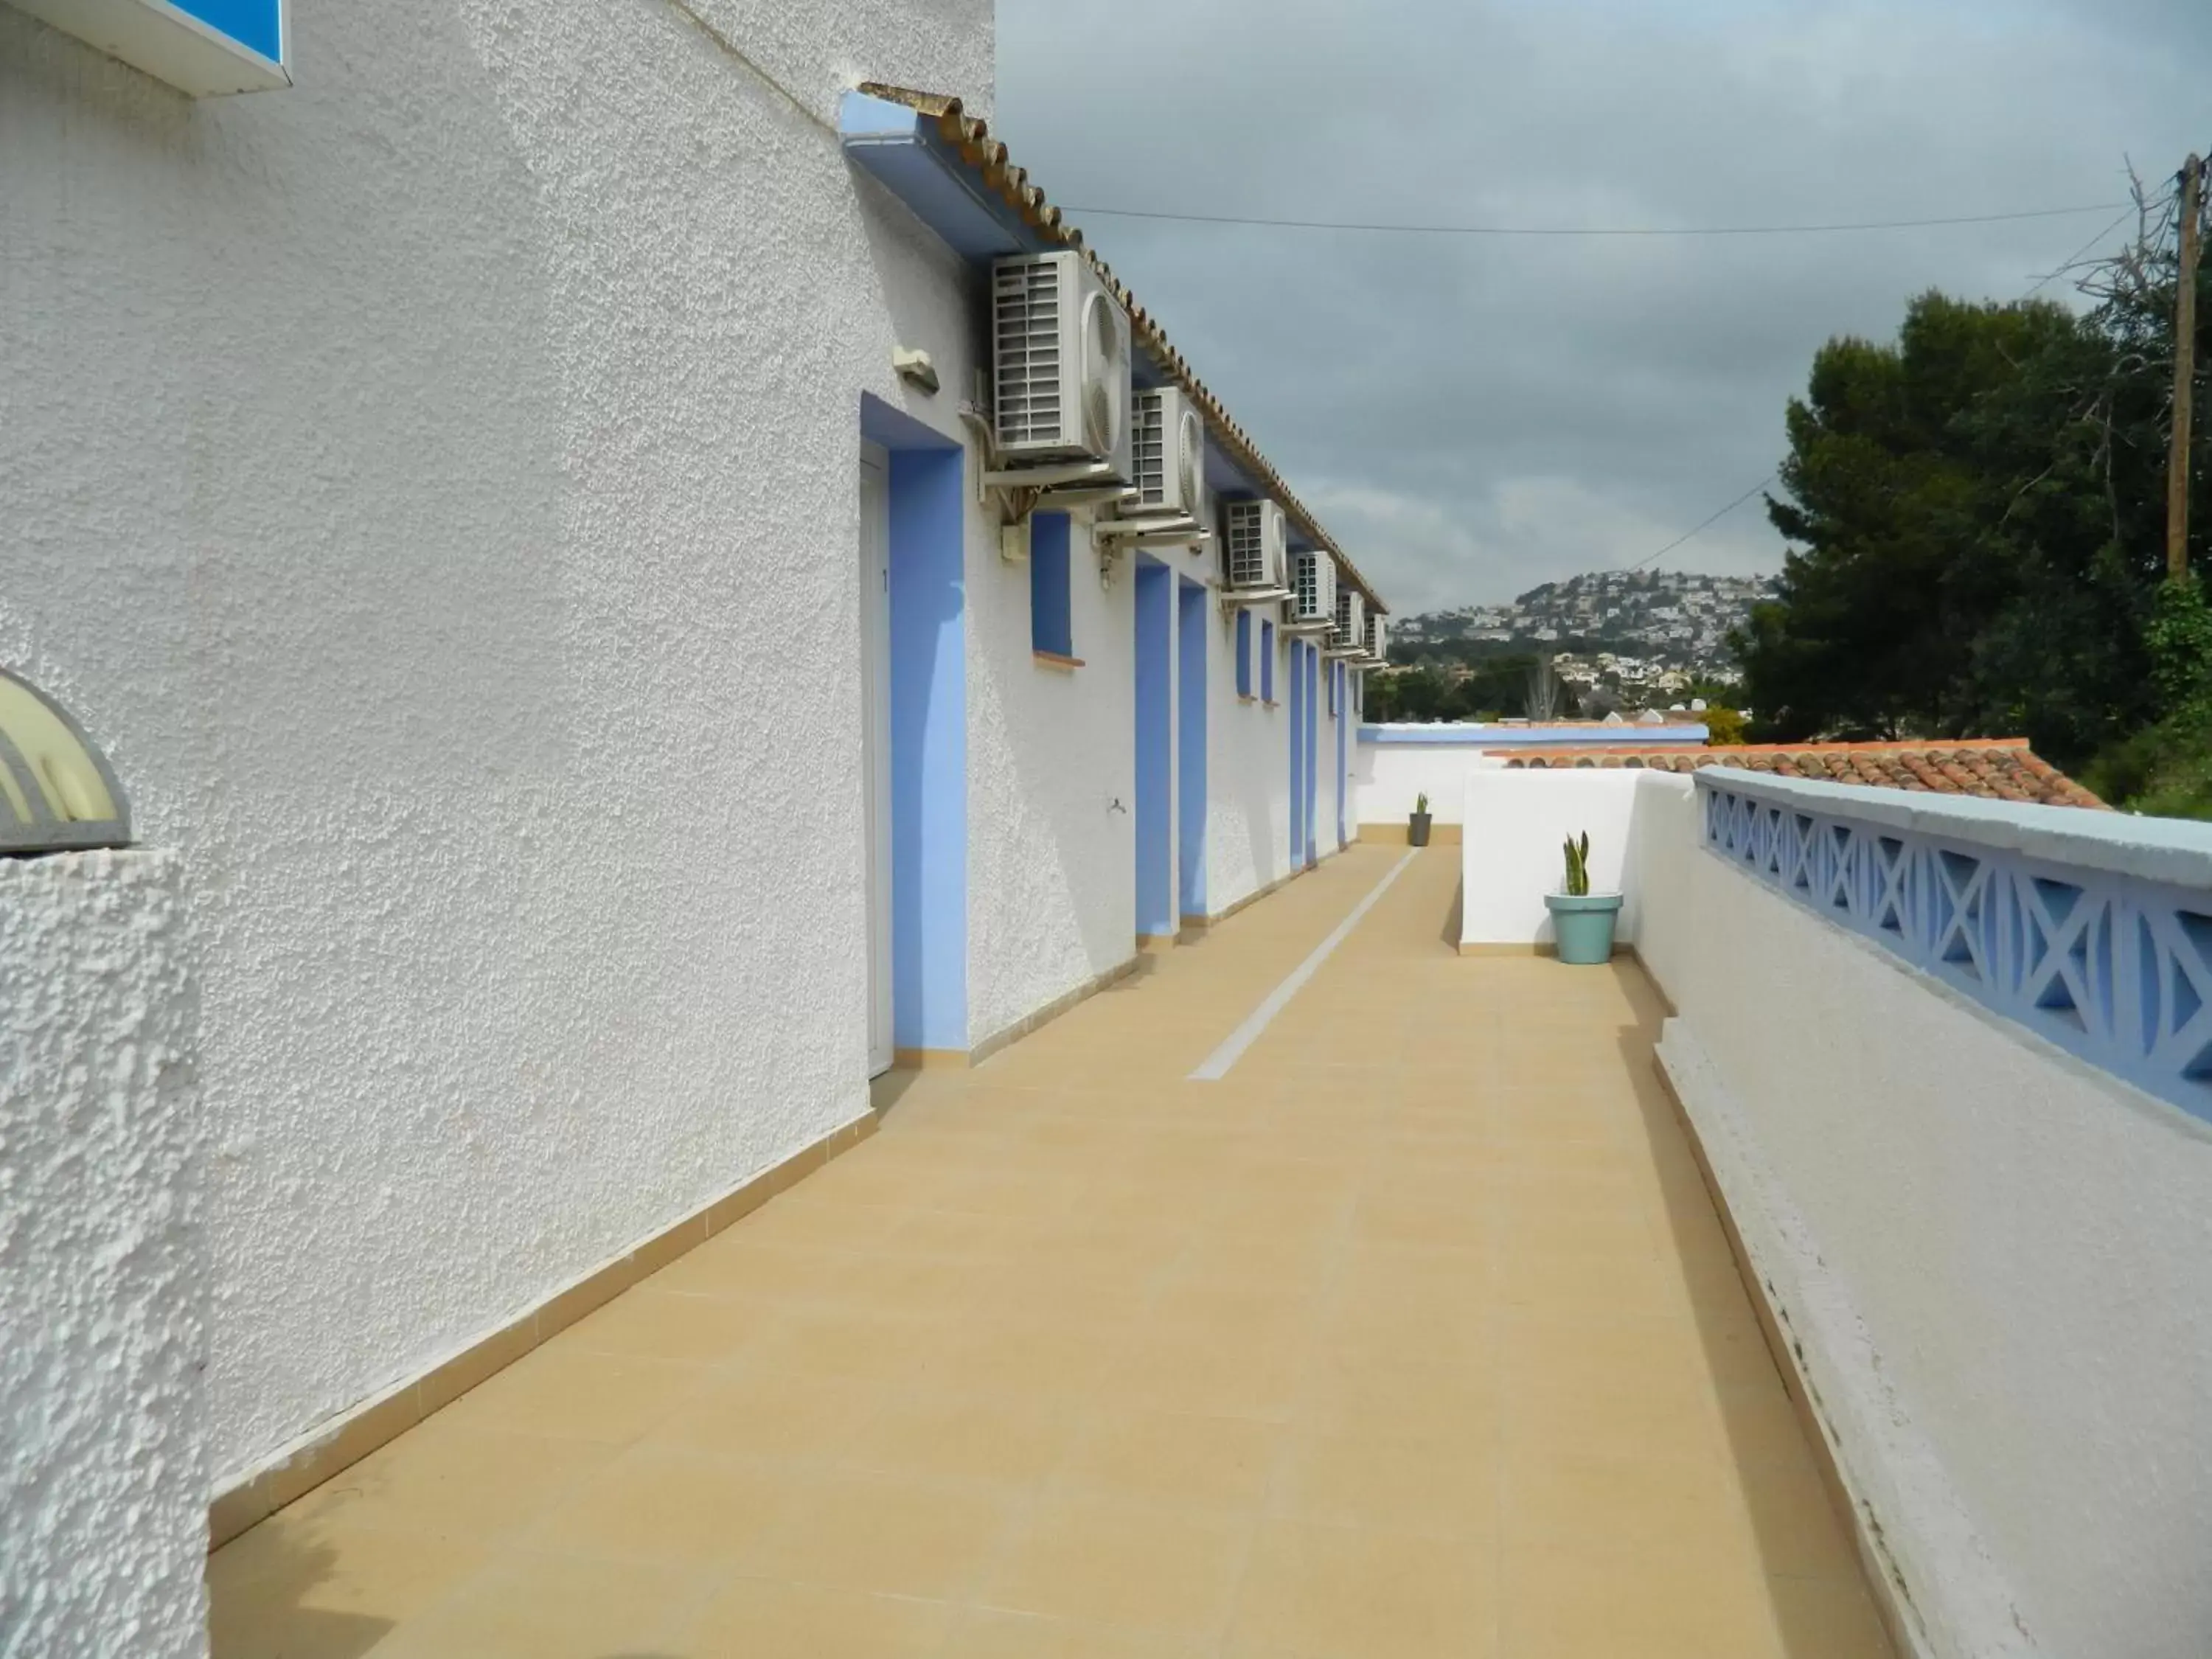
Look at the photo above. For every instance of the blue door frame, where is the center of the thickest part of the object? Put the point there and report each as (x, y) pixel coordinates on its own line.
(1305, 729)
(1190, 749)
(1297, 753)
(1343, 725)
(1155, 751)
(929, 498)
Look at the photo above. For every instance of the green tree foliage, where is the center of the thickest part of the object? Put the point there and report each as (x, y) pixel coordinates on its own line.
(1974, 511)
(1978, 515)
(1494, 686)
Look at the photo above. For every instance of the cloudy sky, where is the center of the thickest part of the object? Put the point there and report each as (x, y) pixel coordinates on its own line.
(1471, 415)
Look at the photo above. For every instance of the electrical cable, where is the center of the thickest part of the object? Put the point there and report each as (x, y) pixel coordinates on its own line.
(2064, 265)
(1586, 230)
(2067, 263)
(1702, 526)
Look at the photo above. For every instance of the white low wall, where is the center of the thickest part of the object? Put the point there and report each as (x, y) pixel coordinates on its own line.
(103, 1265)
(1513, 851)
(1995, 1260)
(1394, 765)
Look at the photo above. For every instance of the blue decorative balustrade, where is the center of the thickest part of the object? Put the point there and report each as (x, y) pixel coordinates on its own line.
(2092, 930)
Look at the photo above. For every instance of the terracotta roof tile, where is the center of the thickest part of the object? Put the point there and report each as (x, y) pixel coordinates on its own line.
(1989, 769)
(971, 136)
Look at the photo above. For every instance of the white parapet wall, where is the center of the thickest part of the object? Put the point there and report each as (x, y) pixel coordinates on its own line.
(1514, 853)
(104, 1272)
(1992, 1256)
(1394, 765)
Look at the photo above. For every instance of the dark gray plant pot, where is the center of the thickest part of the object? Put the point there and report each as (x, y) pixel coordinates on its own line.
(1417, 830)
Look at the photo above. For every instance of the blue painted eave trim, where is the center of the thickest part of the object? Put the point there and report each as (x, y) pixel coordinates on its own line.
(902, 150)
(1538, 736)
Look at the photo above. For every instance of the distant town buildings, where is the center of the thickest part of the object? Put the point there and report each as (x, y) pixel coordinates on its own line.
(1647, 633)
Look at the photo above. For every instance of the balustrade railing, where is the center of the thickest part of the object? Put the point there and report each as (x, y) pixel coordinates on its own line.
(2093, 930)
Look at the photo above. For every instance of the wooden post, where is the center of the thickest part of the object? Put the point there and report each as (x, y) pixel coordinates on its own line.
(2184, 371)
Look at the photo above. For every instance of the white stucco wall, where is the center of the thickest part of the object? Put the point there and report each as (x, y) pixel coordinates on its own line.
(434, 483)
(1993, 1258)
(1512, 852)
(1387, 779)
(1389, 776)
(1051, 862)
(103, 1264)
(1248, 837)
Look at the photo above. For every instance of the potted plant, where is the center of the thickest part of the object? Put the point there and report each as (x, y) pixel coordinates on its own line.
(1416, 827)
(1583, 919)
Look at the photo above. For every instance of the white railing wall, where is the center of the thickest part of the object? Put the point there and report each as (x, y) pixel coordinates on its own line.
(1946, 1060)
(1993, 1255)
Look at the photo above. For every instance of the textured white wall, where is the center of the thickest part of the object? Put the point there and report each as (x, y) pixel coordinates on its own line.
(1052, 873)
(1248, 769)
(1512, 850)
(1387, 779)
(435, 484)
(1997, 1260)
(103, 1264)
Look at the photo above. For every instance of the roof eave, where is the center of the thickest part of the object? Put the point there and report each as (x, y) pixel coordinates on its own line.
(945, 164)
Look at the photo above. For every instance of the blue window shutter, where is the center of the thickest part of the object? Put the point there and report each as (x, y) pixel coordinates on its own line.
(1243, 652)
(1266, 662)
(1051, 626)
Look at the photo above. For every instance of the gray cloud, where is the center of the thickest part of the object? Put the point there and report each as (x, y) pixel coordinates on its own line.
(1476, 414)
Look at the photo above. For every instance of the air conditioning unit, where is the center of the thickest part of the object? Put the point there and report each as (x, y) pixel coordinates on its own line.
(1312, 589)
(1378, 638)
(1253, 547)
(1169, 454)
(1060, 362)
(1349, 637)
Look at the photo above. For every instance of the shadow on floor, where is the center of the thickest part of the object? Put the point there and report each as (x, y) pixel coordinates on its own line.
(1454, 917)
(261, 1582)
(1767, 1437)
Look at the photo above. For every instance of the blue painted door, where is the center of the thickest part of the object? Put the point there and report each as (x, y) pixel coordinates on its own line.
(1190, 747)
(1155, 750)
(1298, 667)
(1343, 726)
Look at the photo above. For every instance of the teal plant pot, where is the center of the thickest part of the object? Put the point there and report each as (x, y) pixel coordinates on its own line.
(1584, 926)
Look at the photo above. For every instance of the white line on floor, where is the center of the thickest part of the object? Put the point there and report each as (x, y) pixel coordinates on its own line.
(1216, 1065)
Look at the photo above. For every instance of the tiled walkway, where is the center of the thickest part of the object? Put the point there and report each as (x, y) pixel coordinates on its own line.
(1416, 1336)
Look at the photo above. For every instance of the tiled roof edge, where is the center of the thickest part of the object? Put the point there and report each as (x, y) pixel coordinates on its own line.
(971, 135)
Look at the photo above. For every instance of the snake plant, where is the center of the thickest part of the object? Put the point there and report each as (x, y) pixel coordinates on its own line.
(1578, 867)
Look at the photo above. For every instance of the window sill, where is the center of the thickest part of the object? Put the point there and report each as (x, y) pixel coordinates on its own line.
(1246, 696)
(1054, 660)
(1269, 702)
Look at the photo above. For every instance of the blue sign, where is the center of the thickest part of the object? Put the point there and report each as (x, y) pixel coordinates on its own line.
(206, 48)
(256, 24)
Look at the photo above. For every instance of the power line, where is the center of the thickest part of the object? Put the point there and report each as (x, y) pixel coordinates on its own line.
(2067, 263)
(1587, 230)
(1705, 526)
(2064, 265)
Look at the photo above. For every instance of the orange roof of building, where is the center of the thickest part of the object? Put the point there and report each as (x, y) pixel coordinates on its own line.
(1989, 769)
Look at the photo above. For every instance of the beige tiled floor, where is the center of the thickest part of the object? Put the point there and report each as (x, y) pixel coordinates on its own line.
(1416, 1336)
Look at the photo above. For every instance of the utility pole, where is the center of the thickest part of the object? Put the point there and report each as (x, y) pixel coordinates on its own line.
(2185, 371)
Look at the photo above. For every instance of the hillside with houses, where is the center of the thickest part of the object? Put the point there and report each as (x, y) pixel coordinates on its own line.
(1672, 619)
